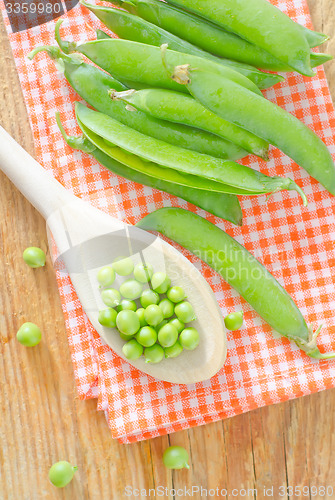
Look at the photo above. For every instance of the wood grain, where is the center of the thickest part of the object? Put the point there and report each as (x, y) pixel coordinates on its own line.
(42, 421)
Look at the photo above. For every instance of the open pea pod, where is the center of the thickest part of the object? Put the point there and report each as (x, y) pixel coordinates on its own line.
(221, 205)
(240, 269)
(214, 39)
(131, 27)
(239, 178)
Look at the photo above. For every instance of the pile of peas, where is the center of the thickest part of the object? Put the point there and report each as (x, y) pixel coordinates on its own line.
(152, 321)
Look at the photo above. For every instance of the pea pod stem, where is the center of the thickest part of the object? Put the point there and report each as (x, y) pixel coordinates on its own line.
(262, 118)
(221, 205)
(184, 161)
(240, 269)
(179, 108)
(213, 39)
(130, 27)
(93, 84)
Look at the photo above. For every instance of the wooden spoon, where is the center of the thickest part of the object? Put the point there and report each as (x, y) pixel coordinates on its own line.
(88, 239)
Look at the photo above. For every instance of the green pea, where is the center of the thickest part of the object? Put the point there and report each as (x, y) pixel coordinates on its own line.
(234, 321)
(147, 336)
(123, 266)
(29, 335)
(167, 335)
(131, 289)
(126, 337)
(178, 324)
(132, 350)
(176, 294)
(154, 354)
(161, 324)
(140, 314)
(174, 350)
(106, 276)
(111, 297)
(34, 257)
(160, 282)
(185, 312)
(107, 317)
(143, 273)
(189, 338)
(153, 315)
(149, 297)
(175, 457)
(126, 304)
(61, 473)
(128, 322)
(167, 307)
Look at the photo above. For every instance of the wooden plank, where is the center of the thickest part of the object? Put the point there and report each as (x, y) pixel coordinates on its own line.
(42, 420)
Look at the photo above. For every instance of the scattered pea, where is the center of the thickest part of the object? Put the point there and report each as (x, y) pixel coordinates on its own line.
(29, 335)
(128, 322)
(61, 473)
(174, 350)
(123, 266)
(131, 289)
(140, 314)
(153, 315)
(167, 307)
(189, 338)
(161, 324)
(34, 257)
(154, 354)
(143, 273)
(184, 312)
(111, 297)
(126, 337)
(167, 335)
(107, 317)
(147, 336)
(149, 297)
(178, 324)
(234, 321)
(175, 457)
(160, 282)
(106, 276)
(132, 350)
(176, 294)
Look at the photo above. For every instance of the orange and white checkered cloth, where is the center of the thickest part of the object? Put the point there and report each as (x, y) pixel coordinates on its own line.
(294, 243)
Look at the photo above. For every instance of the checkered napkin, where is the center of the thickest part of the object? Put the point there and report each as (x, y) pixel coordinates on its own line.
(293, 242)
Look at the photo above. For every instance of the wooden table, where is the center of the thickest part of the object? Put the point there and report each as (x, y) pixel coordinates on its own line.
(42, 420)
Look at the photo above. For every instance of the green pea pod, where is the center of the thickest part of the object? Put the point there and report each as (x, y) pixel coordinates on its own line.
(180, 108)
(262, 24)
(240, 269)
(130, 27)
(213, 39)
(239, 177)
(221, 205)
(264, 119)
(139, 62)
(93, 85)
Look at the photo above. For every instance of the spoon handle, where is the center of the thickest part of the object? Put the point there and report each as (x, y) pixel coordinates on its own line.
(44, 192)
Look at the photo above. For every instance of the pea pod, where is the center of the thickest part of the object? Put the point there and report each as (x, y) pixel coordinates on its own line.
(93, 85)
(180, 108)
(240, 269)
(221, 205)
(238, 177)
(264, 119)
(262, 24)
(139, 62)
(213, 39)
(130, 27)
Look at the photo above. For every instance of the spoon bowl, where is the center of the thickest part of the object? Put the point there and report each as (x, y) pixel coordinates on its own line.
(88, 239)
